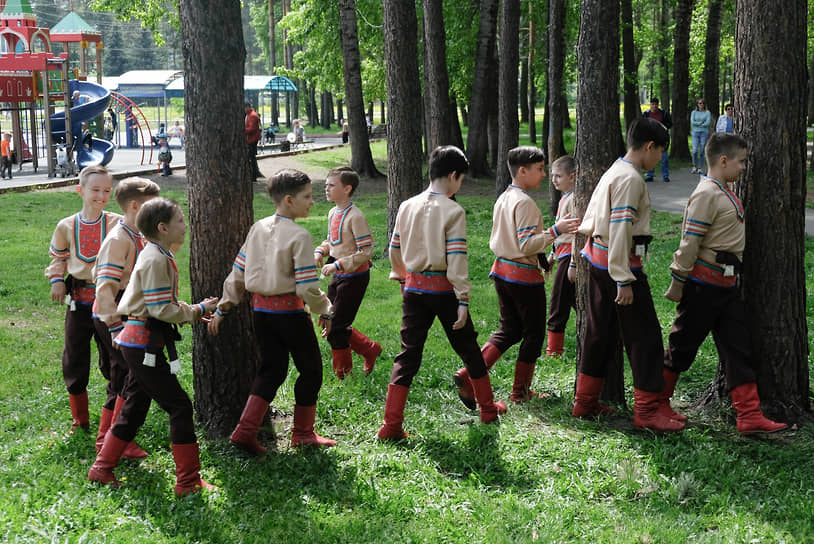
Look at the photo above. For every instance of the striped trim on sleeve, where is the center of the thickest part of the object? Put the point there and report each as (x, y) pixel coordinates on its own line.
(364, 241)
(158, 296)
(306, 274)
(109, 271)
(395, 242)
(694, 227)
(456, 246)
(525, 233)
(240, 261)
(61, 254)
(623, 214)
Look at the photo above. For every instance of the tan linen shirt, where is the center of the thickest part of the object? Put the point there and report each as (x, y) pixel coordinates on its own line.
(75, 244)
(517, 227)
(564, 242)
(277, 258)
(349, 239)
(111, 274)
(430, 235)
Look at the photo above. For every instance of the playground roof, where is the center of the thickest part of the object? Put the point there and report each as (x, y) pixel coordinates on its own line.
(281, 83)
(73, 28)
(146, 83)
(250, 83)
(17, 7)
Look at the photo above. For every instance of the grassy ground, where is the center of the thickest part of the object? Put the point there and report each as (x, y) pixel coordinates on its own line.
(539, 475)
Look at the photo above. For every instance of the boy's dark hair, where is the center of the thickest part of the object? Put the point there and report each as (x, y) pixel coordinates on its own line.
(155, 211)
(647, 129)
(525, 155)
(134, 189)
(729, 106)
(566, 163)
(654, 100)
(89, 171)
(347, 176)
(447, 159)
(286, 182)
(722, 144)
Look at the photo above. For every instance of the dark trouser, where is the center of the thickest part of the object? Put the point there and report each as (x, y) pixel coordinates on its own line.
(639, 326)
(418, 313)
(702, 309)
(153, 383)
(346, 295)
(277, 336)
(115, 371)
(165, 168)
(522, 317)
(5, 167)
(253, 160)
(79, 330)
(563, 297)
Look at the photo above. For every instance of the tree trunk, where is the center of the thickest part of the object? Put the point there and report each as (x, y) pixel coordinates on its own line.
(532, 94)
(508, 125)
(596, 145)
(711, 59)
(811, 91)
(340, 112)
(382, 118)
(220, 204)
(523, 92)
(770, 108)
(679, 148)
(631, 66)
(477, 141)
(400, 28)
(440, 110)
(361, 159)
(556, 67)
(275, 107)
(664, 68)
(291, 102)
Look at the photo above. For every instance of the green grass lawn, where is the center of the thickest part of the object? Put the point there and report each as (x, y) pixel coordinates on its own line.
(539, 475)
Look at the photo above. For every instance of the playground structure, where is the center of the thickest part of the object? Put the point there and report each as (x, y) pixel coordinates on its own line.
(33, 79)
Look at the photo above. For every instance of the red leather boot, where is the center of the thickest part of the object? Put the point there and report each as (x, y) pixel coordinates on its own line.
(132, 451)
(303, 432)
(394, 413)
(105, 420)
(188, 470)
(102, 469)
(586, 398)
(245, 434)
(521, 388)
(670, 380)
(489, 408)
(79, 411)
(342, 360)
(751, 420)
(461, 378)
(365, 347)
(554, 345)
(646, 412)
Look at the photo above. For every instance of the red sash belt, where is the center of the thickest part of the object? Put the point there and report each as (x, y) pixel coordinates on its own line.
(277, 304)
(432, 282)
(598, 255)
(515, 272)
(711, 274)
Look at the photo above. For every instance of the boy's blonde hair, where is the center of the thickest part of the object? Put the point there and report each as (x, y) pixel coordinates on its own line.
(287, 182)
(722, 144)
(89, 171)
(134, 188)
(347, 176)
(155, 211)
(566, 164)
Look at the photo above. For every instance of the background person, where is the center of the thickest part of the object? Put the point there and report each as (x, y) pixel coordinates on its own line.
(700, 121)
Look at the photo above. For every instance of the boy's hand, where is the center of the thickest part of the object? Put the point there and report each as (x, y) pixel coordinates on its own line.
(572, 274)
(326, 325)
(113, 336)
(214, 324)
(568, 225)
(551, 261)
(328, 270)
(463, 313)
(58, 291)
(624, 295)
(210, 304)
(318, 259)
(675, 291)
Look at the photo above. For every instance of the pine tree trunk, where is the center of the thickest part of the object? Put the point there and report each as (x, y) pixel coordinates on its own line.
(523, 92)
(508, 125)
(275, 106)
(556, 97)
(361, 158)
(440, 110)
(679, 147)
(477, 141)
(664, 40)
(598, 131)
(532, 94)
(712, 63)
(631, 66)
(220, 204)
(400, 28)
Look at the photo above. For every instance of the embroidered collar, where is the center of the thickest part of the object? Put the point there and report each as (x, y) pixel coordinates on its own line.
(337, 223)
(513, 186)
(88, 236)
(730, 195)
(165, 252)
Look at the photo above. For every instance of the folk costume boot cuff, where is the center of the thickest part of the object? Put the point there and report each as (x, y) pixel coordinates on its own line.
(554, 345)
(132, 451)
(303, 432)
(188, 470)
(102, 469)
(489, 408)
(79, 410)
(394, 413)
(521, 388)
(342, 362)
(245, 434)
(646, 413)
(746, 402)
(461, 378)
(365, 347)
(105, 420)
(670, 380)
(586, 398)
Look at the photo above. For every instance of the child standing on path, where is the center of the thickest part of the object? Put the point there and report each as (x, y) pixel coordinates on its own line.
(563, 296)
(74, 247)
(114, 264)
(164, 155)
(428, 257)
(705, 273)
(153, 309)
(350, 246)
(276, 265)
(517, 238)
(5, 153)
(617, 223)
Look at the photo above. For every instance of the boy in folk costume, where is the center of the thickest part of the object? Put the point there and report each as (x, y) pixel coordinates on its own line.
(276, 265)
(617, 223)
(153, 309)
(705, 275)
(518, 239)
(114, 264)
(74, 246)
(428, 257)
(563, 293)
(350, 246)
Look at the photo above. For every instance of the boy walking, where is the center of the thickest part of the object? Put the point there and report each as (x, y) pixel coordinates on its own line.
(349, 246)
(705, 273)
(518, 238)
(276, 265)
(617, 223)
(428, 257)
(114, 264)
(73, 250)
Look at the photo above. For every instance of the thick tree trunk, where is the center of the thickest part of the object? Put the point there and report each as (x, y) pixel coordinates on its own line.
(711, 59)
(532, 94)
(598, 132)
(508, 125)
(361, 158)
(556, 96)
(679, 147)
(523, 92)
(631, 66)
(477, 141)
(400, 28)
(220, 204)
(664, 65)
(440, 110)
(811, 91)
(275, 107)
